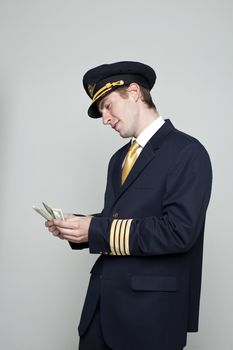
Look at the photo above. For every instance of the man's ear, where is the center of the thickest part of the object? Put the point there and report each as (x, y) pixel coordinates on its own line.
(134, 91)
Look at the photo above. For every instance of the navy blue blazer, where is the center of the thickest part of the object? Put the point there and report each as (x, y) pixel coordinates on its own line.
(150, 240)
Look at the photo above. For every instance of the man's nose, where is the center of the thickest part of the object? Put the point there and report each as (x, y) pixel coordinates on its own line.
(106, 117)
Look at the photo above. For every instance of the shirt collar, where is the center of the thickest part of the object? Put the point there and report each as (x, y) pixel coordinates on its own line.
(149, 131)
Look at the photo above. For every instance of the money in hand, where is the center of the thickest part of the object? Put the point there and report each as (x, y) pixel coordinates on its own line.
(49, 213)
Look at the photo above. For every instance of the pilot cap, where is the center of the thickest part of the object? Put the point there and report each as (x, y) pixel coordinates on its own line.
(103, 79)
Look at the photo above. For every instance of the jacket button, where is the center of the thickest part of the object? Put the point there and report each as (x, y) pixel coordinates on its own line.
(115, 215)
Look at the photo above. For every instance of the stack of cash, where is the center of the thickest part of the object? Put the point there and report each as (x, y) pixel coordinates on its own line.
(49, 213)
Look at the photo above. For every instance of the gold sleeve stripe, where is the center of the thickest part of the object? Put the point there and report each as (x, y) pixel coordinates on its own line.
(117, 234)
(122, 237)
(112, 233)
(119, 237)
(127, 229)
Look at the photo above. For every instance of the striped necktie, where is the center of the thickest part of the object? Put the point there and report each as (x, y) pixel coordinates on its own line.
(130, 159)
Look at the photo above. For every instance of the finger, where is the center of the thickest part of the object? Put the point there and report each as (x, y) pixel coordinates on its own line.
(68, 216)
(56, 233)
(75, 218)
(49, 223)
(73, 239)
(69, 231)
(74, 224)
(52, 228)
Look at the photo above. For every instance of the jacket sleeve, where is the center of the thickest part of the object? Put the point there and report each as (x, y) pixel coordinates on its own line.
(80, 246)
(185, 201)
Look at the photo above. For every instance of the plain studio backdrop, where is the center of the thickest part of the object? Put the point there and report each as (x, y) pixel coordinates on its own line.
(52, 151)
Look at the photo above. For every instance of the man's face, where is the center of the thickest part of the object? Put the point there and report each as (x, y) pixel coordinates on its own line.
(120, 113)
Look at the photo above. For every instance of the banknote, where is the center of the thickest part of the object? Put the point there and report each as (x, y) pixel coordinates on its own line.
(42, 213)
(49, 212)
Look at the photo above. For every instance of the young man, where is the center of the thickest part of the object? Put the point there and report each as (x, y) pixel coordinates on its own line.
(144, 289)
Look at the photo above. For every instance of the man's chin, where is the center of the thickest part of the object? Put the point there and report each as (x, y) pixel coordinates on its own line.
(124, 136)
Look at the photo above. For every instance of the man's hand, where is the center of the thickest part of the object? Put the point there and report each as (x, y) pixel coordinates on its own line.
(73, 228)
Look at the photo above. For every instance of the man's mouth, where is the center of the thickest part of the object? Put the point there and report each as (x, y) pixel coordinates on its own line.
(114, 126)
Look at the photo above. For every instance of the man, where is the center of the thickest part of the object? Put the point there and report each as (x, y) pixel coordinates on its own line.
(145, 286)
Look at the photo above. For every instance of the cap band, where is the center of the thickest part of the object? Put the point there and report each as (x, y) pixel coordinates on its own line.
(106, 88)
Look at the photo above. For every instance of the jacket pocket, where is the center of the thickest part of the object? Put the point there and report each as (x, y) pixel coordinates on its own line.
(154, 283)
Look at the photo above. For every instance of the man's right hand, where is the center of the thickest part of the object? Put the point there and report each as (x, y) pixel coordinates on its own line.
(53, 228)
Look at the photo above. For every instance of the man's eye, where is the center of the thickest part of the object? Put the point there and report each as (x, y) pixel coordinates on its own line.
(107, 106)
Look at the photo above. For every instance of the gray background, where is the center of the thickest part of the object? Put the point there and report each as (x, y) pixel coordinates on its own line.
(51, 150)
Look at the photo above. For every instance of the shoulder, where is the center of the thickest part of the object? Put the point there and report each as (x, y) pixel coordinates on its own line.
(178, 141)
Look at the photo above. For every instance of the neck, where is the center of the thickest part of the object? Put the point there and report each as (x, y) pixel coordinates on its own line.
(146, 117)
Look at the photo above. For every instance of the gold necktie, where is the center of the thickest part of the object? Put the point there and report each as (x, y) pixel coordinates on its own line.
(130, 159)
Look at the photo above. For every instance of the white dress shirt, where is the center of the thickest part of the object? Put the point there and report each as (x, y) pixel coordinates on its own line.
(148, 132)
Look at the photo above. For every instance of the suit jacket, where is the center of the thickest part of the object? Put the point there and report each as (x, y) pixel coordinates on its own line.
(150, 240)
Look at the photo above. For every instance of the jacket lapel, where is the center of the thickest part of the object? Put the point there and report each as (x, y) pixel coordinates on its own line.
(145, 157)
(116, 172)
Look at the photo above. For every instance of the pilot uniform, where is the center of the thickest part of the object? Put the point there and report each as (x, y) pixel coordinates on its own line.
(145, 285)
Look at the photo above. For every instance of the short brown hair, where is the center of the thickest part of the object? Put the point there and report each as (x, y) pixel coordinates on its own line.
(146, 96)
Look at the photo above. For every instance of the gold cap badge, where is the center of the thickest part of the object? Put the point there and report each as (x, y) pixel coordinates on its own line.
(91, 89)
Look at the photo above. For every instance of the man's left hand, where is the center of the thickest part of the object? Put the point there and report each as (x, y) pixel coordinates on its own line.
(73, 228)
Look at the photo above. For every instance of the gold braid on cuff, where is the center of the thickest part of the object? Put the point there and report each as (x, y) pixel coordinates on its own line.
(119, 237)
